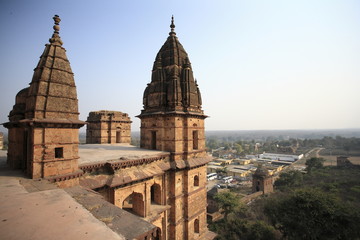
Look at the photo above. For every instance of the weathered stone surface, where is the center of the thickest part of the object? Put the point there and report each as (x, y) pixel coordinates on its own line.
(118, 220)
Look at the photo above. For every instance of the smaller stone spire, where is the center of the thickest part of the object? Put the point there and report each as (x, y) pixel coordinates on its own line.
(172, 26)
(55, 39)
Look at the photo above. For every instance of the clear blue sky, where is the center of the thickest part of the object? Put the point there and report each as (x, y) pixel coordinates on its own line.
(259, 64)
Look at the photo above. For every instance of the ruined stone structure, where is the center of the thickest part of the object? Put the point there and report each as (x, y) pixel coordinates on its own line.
(262, 181)
(43, 125)
(343, 161)
(163, 185)
(108, 127)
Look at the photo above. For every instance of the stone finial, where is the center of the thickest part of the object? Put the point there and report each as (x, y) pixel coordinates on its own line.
(56, 22)
(55, 39)
(172, 26)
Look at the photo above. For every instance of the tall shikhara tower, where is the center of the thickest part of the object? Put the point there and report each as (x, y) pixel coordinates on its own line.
(44, 122)
(172, 120)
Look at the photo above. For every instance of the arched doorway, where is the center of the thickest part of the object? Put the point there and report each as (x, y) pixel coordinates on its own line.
(118, 135)
(134, 203)
(258, 186)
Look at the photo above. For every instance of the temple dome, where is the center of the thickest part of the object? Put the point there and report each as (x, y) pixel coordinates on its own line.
(172, 87)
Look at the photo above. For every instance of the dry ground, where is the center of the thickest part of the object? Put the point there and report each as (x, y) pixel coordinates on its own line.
(331, 160)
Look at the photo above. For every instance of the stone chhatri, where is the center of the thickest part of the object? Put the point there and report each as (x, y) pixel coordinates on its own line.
(108, 127)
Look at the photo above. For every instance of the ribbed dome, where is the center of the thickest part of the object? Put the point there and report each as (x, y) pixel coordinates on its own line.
(172, 86)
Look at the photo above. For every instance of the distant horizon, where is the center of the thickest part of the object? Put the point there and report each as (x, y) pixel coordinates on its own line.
(83, 129)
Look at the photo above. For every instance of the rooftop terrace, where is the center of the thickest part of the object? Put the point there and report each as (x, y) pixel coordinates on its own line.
(95, 153)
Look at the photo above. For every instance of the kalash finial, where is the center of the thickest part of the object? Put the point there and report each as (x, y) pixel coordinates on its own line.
(55, 39)
(172, 26)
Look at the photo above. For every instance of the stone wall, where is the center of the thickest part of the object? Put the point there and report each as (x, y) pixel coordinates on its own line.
(55, 151)
(177, 134)
(188, 202)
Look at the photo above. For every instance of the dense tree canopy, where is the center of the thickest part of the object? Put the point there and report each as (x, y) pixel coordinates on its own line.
(312, 214)
(228, 202)
(237, 228)
(289, 179)
(314, 163)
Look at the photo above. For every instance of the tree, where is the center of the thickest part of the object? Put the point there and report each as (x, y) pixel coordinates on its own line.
(228, 202)
(238, 148)
(234, 229)
(312, 214)
(314, 163)
(289, 180)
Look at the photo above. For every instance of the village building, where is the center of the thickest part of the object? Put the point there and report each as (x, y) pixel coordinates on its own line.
(242, 161)
(157, 191)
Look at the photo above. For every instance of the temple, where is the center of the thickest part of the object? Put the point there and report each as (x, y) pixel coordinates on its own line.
(157, 191)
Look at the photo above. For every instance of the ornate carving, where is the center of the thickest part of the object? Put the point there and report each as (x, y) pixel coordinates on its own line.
(172, 86)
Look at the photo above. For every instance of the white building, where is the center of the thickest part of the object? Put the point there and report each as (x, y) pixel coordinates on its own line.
(280, 157)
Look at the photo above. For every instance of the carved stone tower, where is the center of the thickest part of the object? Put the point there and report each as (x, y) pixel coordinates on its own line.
(172, 120)
(44, 123)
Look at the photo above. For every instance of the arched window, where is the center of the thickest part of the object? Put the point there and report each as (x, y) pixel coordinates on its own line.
(134, 203)
(155, 193)
(196, 181)
(153, 140)
(196, 226)
(195, 140)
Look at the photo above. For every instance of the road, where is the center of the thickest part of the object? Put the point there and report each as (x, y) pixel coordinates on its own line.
(312, 153)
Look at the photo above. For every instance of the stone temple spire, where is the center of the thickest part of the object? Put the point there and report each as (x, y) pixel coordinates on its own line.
(52, 93)
(172, 87)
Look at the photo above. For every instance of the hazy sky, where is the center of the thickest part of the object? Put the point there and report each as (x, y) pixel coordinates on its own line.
(259, 64)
